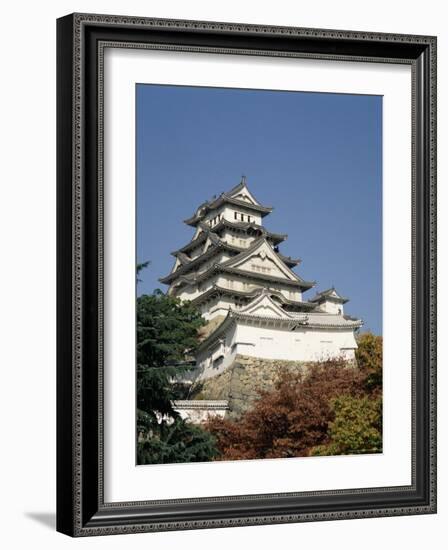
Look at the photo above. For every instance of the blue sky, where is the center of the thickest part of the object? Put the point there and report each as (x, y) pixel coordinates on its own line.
(316, 158)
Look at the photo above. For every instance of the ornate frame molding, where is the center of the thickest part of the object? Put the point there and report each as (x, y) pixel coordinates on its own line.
(81, 42)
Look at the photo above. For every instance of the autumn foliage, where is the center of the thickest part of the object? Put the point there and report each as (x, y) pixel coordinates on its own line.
(332, 409)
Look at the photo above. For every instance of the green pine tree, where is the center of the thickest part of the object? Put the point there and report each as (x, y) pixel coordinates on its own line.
(167, 331)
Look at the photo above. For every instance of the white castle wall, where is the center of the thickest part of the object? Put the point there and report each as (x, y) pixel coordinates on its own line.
(332, 307)
(297, 345)
(200, 411)
(232, 214)
(276, 343)
(220, 306)
(212, 362)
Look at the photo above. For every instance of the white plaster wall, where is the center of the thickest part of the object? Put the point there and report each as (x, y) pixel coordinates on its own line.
(199, 416)
(188, 292)
(241, 240)
(217, 259)
(217, 307)
(276, 343)
(229, 214)
(212, 217)
(298, 345)
(332, 307)
(204, 361)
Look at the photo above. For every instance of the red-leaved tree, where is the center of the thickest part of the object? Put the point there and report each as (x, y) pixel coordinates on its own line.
(332, 409)
(289, 420)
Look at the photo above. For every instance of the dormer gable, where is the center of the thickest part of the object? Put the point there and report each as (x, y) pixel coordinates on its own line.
(264, 306)
(330, 301)
(208, 243)
(242, 193)
(261, 258)
(176, 266)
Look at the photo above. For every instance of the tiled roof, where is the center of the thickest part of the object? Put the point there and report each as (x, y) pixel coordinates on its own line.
(327, 294)
(201, 404)
(216, 289)
(276, 238)
(246, 274)
(185, 268)
(318, 318)
(224, 198)
(290, 321)
(291, 262)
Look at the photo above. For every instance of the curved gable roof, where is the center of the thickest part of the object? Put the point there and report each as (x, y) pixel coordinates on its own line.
(264, 306)
(261, 248)
(238, 196)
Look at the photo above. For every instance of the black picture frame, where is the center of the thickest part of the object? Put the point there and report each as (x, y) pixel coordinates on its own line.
(81, 510)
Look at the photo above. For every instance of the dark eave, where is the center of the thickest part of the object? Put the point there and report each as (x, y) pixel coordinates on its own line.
(217, 290)
(304, 285)
(224, 198)
(290, 262)
(326, 295)
(276, 238)
(237, 188)
(197, 242)
(183, 258)
(214, 249)
(256, 275)
(225, 268)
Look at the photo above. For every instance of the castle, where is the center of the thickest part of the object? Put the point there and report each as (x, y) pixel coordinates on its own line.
(234, 272)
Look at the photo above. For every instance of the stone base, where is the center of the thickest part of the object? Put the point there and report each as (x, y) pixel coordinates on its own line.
(240, 383)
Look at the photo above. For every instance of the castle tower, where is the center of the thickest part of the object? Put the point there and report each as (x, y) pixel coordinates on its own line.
(231, 257)
(234, 272)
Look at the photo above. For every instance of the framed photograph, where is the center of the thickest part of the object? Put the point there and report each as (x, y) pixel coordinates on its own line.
(246, 274)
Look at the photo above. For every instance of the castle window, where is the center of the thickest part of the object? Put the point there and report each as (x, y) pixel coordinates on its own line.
(242, 217)
(248, 219)
(235, 215)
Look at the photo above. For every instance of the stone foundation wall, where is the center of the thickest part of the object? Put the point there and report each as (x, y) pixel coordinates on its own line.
(241, 382)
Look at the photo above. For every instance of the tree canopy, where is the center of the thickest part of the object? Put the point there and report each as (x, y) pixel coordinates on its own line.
(167, 331)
